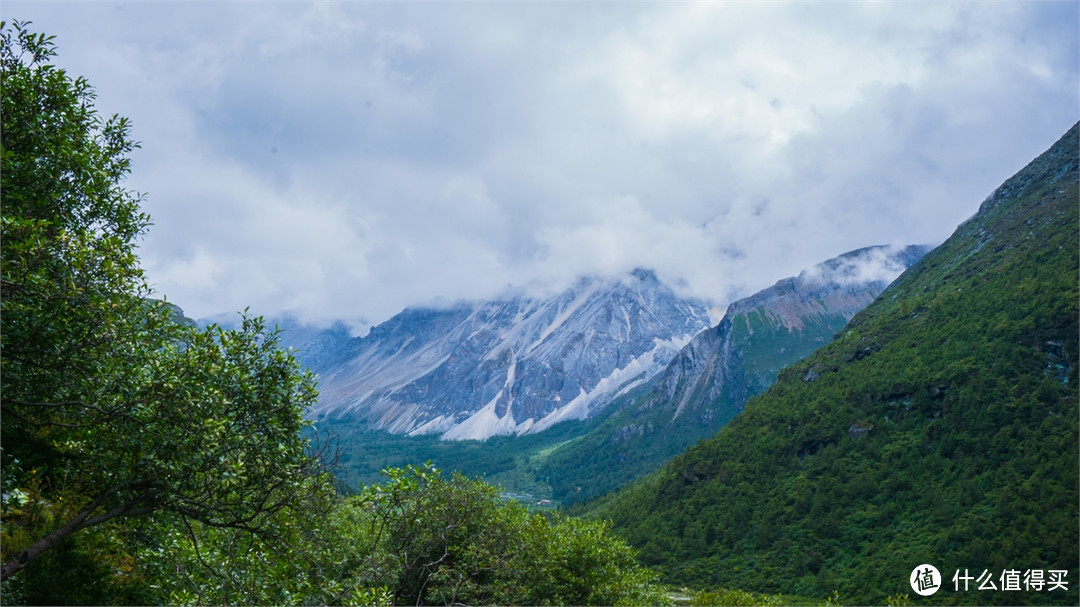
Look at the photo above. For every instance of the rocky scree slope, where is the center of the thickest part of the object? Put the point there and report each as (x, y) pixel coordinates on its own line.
(515, 365)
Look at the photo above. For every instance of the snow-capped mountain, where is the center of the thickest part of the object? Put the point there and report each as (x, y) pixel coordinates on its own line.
(514, 365)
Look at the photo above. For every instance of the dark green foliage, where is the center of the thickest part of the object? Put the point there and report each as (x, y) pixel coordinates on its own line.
(419, 538)
(95, 569)
(940, 427)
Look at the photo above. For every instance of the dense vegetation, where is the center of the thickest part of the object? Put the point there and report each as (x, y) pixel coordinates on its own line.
(147, 461)
(513, 462)
(941, 427)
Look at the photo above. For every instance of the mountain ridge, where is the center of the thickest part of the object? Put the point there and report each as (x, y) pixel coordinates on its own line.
(827, 294)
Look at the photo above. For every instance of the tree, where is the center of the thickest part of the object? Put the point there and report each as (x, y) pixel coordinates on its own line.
(438, 540)
(112, 406)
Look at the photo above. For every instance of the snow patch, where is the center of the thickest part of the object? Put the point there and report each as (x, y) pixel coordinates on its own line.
(486, 423)
(618, 382)
(441, 423)
(483, 424)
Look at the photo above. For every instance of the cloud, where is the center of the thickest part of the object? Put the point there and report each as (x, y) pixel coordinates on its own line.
(880, 264)
(345, 160)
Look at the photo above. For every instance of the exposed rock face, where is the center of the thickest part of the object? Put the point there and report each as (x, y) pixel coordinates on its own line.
(510, 366)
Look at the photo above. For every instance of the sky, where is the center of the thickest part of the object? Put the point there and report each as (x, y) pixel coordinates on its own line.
(339, 161)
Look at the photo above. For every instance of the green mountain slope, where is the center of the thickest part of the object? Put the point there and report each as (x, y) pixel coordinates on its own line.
(941, 427)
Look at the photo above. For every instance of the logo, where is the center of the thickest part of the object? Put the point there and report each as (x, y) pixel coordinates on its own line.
(925, 580)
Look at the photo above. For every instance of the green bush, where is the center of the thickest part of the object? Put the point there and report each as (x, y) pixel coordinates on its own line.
(418, 538)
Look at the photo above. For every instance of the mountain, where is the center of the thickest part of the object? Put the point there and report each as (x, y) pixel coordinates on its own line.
(709, 381)
(940, 427)
(515, 365)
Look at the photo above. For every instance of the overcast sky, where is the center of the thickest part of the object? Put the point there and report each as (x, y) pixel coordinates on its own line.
(344, 160)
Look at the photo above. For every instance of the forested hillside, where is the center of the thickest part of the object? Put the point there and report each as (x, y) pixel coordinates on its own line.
(940, 427)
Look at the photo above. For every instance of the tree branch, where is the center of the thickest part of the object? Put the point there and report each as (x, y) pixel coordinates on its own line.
(82, 520)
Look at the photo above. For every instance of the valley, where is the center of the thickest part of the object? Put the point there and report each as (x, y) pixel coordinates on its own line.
(619, 354)
(960, 377)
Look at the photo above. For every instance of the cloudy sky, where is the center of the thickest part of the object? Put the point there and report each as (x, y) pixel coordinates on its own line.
(342, 160)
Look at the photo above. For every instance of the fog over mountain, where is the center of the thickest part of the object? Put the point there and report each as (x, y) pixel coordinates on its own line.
(345, 160)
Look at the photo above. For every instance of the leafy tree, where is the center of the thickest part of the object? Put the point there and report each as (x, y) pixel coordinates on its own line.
(112, 408)
(438, 540)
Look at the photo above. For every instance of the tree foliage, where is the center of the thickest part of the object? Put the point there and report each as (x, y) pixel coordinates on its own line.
(419, 538)
(112, 407)
(448, 541)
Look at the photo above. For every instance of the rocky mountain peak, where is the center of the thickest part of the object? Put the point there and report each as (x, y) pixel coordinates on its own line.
(513, 365)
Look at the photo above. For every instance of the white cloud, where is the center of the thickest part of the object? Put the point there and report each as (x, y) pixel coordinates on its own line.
(877, 264)
(344, 160)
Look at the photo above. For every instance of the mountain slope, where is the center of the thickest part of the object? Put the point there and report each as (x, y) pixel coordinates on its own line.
(941, 427)
(511, 366)
(712, 377)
